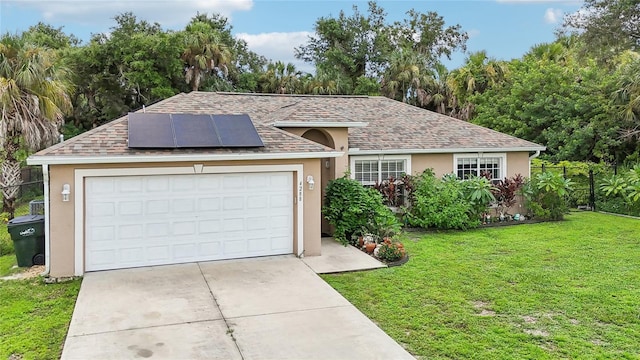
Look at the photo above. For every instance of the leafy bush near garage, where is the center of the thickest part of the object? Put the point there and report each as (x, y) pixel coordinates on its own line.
(441, 203)
(351, 207)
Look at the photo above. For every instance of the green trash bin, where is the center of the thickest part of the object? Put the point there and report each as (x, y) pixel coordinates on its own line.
(27, 233)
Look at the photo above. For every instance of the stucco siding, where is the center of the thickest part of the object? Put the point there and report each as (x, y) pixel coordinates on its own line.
(340, 141)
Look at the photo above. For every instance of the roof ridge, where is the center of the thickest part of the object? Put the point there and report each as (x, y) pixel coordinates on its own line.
(287, 95)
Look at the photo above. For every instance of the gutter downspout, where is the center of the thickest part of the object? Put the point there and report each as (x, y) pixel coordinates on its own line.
(537, 153)
(47, 247)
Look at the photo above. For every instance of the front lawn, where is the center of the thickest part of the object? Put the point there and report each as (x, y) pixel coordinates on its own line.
(34, 317)
(568, 289)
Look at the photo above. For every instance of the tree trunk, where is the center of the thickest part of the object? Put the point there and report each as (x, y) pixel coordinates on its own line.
(11, 177)
(196, 79)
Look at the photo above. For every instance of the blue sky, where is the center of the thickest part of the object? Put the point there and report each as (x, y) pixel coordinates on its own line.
(506, 29)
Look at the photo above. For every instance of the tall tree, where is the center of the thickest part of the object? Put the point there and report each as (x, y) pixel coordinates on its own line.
(205, 53)
(136, 64)
(478, 74)
(362, 45)
(607, 27)
(426, 35)
(627, 97)
(562, 104)
(46, 35)
(405, 77)
(281, 78)
(244, 67)
(355, 45)
(439, 97)
(34, 95)
(327, 82)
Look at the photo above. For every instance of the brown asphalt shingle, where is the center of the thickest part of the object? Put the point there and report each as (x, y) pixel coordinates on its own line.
(392, 125)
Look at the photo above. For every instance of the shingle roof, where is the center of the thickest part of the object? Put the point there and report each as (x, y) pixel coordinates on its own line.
(392, 126)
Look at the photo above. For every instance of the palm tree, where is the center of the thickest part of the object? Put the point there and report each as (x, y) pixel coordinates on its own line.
(406, 77)
(327, 82)
(205, 52)
(478, 74)
(280, 78)
(439, 96)
(34, 94)
(627, 97)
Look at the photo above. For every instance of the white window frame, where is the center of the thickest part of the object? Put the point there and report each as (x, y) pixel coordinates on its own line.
(501, 156)
(379, 159)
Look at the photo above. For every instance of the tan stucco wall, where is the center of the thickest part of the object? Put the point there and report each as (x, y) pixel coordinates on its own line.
(61, 214)
(440, 163)
(517, 163)
(340, 137)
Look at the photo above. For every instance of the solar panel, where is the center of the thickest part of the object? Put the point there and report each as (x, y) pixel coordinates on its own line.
(169, 131)
(195, 131)
(237, 131)
(150, 131)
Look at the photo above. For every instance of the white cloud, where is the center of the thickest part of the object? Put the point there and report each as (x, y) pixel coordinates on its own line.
(278, 46)
(168, 13)
(553, 16)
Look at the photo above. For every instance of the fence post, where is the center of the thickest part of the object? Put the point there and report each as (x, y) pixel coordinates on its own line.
(564, 171)
(592, 191)
(543, 168)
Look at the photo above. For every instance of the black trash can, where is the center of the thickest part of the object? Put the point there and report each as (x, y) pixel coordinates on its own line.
(27, 233)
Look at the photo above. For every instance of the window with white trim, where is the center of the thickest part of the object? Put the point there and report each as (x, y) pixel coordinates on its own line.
(371, 169)
(466, 165)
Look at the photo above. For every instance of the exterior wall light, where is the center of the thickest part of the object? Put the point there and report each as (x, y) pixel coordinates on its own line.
(66, 191)
(311, 183)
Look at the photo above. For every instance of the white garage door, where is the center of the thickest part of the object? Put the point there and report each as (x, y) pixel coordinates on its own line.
(133, 221)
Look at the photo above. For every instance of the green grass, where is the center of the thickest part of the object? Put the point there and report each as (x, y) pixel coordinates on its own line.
(7, 263)
(6, 244)
(34, 317)
(568, 289)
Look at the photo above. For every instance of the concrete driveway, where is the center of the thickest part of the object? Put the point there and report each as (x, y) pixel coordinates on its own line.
(265, 308)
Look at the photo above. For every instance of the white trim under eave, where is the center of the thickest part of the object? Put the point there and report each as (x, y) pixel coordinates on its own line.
(319, 124)
(356, 151)
(81, 174)
(127, 159)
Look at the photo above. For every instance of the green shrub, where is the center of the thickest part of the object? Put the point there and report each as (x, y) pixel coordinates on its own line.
(621, 193)
(350, 208)
(546, 195)
(439, 204)
(390, 252)
(478, 191)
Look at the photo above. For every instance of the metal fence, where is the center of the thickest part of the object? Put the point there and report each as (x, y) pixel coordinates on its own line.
(583, 193)
(32, 183)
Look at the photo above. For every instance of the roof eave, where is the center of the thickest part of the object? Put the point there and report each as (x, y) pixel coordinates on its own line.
(357, 151)
(120, 159)
(319, 124)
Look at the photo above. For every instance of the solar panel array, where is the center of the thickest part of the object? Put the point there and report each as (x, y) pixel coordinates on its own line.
(169, 131)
